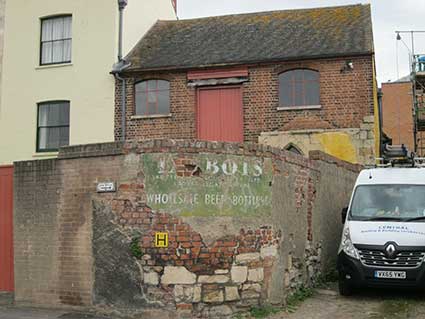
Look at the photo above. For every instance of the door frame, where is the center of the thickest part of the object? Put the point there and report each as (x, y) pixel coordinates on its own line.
(12, 231)
(217, 87)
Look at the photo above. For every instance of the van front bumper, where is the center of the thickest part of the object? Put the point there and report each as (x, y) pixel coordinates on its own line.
(359, 275)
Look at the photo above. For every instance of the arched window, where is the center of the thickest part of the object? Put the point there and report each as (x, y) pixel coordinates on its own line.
(152, 97)
(298, 88)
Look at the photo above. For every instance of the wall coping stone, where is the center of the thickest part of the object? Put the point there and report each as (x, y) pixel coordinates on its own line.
(188, 146)
(324, 157)
(91, 150)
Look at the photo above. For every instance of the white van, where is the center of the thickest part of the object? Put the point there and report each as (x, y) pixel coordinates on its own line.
(383, 240)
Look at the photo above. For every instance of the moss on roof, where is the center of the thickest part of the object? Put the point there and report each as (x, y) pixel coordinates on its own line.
(255, 37)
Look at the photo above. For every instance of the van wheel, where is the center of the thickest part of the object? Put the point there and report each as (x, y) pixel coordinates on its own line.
(345, 289)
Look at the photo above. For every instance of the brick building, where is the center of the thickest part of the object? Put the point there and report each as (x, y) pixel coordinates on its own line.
(297, 79)
(397, 113)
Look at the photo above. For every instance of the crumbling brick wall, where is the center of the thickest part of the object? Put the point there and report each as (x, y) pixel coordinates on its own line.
(99, 249)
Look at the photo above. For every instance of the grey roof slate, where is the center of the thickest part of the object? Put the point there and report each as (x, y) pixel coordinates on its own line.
(255, 37)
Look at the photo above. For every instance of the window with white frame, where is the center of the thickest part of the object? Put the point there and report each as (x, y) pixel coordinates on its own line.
(52, 125)
(56, 40)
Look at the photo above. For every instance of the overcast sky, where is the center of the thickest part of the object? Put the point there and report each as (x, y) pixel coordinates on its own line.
(388, 16)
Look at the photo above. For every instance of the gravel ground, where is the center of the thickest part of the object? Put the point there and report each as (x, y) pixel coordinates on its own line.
(31, 313)
(365, 304)
(324, 304)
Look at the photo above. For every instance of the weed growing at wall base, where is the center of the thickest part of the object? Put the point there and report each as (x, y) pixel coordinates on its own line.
(136, 251)
(263, 311)
(294, 300)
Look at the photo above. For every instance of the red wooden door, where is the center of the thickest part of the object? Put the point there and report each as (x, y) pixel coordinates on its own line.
(220, 116)
(6, 229)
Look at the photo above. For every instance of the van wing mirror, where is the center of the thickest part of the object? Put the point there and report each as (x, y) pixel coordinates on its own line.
(344, 214)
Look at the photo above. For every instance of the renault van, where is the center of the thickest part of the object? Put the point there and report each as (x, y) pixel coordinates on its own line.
(383, 239)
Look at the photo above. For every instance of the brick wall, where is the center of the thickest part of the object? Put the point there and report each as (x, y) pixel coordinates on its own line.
(36, 221)
(346, 98)
(77, 247)
(397, 113)
(52, 219)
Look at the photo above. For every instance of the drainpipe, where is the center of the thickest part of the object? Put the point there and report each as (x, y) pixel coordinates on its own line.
(120, 66)
(121, 6)
(381, 133)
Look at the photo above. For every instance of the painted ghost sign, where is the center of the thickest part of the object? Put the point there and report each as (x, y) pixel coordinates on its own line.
(208, 184)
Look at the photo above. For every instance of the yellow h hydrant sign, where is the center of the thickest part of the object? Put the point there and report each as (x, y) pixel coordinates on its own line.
(161, 240)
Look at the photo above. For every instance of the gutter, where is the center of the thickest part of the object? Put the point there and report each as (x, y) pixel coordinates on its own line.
(250, 62)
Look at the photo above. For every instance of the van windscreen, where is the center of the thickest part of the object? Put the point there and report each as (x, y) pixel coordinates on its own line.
(398, 202)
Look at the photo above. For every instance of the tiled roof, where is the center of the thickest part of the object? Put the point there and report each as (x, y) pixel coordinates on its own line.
(255, 37)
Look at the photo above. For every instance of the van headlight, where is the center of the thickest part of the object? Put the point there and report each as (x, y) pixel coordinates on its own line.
(347, 245)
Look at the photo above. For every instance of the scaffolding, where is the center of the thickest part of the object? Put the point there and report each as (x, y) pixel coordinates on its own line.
(417, 77)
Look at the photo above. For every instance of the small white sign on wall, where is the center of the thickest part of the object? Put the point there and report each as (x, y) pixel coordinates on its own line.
(106, 187)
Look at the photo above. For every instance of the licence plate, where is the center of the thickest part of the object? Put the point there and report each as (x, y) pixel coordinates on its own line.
(390, 274)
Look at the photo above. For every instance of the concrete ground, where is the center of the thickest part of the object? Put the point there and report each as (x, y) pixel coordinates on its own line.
(29, 313)
(365, 304)
(324, 304)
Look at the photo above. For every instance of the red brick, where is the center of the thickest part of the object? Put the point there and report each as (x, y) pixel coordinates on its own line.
(345, 99)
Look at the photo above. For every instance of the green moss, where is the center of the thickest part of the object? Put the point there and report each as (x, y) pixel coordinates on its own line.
(135, 249)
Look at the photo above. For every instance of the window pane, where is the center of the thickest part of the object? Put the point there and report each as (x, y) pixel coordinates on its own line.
(298, 75)
(310, 75)
(58, 51)
(312, 93)
(67, 49)
(152, 84)
(42, 138)
(57, 29)
(46, 30)
(285, 89)
(299, 94)
(42, 115)
(285, 77)
(163, 102)
(53, 138)
(49, 138)
(64, 114)
(141, 86)
(152, 101)
(63, 136)
(141, 103)
(53, 115)
(152, 108)
(46, 52)
(285, 94)
(152, 97)
(67, 30)
(163, 85)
